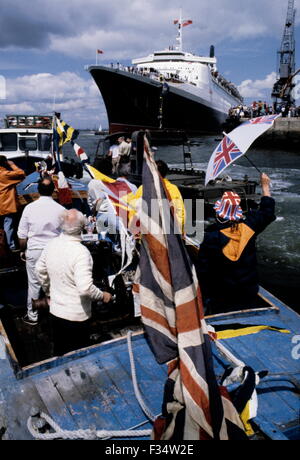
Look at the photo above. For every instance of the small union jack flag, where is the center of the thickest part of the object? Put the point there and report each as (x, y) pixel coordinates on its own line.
(226, 153)
(269, 119)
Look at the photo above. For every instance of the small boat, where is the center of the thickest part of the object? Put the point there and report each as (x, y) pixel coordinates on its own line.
(101, 131)
(90, 390)
(26, 139)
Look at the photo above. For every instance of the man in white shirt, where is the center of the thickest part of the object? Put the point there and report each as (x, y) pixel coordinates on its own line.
(65, 273)
(39, 223)
(115, 156)
(124, 147)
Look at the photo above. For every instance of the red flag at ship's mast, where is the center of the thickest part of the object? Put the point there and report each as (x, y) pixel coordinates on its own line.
(181, 23)
(98, 52)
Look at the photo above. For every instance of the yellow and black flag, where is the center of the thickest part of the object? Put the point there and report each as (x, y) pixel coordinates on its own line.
(63, 133)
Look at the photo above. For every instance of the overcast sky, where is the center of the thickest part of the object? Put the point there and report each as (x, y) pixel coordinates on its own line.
(45, 44)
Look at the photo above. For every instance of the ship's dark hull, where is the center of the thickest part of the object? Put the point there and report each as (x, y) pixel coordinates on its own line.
(134, 102)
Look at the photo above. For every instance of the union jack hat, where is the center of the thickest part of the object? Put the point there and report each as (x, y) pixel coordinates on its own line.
(228, 208)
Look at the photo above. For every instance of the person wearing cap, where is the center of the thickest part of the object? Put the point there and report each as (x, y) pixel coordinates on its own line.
(227, 264)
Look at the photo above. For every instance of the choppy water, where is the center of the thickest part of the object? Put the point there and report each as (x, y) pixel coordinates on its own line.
(279, 245)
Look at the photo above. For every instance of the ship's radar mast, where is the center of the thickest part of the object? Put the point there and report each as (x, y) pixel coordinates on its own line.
(286, 59)
(181, 23)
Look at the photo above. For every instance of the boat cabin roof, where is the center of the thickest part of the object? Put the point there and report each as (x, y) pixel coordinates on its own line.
(25, 131)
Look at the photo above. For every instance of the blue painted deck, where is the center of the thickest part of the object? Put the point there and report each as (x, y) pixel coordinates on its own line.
(92, 388)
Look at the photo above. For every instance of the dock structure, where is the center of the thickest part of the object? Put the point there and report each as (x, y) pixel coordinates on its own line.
(285, 133)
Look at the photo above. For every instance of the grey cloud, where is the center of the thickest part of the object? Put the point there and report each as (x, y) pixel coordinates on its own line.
(40, 23)
(30, 24)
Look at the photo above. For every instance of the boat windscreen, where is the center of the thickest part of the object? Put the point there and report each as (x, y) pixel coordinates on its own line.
(8, 142)
(28, 144)
(44, 142)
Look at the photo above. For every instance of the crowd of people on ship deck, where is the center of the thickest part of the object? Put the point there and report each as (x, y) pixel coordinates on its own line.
(59, 267)
(225, 83)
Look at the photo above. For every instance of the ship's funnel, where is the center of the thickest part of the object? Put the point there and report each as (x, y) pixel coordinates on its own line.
(212, 51)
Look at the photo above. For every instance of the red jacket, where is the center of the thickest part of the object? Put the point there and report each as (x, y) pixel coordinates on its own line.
(8, 194)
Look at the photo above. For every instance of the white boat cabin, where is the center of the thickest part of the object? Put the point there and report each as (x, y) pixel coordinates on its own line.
(26, 136)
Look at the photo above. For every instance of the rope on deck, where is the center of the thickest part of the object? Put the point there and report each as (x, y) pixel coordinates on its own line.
(78, 434)
(37, 422)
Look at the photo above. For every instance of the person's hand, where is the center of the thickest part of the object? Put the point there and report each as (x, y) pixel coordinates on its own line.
(10, 163)
(265, 184)
(106, 297)
(265, 180)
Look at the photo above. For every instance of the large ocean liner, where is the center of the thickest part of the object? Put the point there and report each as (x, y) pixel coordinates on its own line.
(169, 89)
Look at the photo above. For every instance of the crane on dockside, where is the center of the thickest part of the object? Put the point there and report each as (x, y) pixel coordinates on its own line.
(282, 93)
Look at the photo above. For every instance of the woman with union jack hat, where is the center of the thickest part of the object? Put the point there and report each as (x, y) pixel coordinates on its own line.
(227, 264)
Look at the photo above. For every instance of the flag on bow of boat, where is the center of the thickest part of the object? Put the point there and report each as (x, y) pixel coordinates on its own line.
(236, 143)
(100, 52)
(194, 406)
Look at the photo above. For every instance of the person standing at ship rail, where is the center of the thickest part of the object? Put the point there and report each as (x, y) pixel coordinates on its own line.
(10, 176)
(65, 273)
(227, 264)
(40, 222)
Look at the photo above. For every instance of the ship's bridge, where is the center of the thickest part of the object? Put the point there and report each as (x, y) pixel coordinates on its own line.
(177, 66)
(173, 56)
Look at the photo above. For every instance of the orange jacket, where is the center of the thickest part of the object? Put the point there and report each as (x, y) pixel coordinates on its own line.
(8, 194)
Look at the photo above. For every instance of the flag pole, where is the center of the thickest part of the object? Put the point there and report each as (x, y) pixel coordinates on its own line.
(251, 162)
(56, 143)
(96, 57)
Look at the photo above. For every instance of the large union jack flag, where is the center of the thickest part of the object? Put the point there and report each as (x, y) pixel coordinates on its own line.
(194, 405)
(226, 153)
(269, 119)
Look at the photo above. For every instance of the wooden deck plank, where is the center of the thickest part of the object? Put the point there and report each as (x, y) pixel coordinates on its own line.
(122, 381)
(89, 393)
(20, 399)
(116, 412)
(151, 377)
(77, 405)
(55, 405)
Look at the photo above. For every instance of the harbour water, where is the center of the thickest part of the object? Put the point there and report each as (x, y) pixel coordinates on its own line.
(279, 245)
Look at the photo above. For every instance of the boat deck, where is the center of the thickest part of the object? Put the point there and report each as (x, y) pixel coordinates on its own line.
(92, 388)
